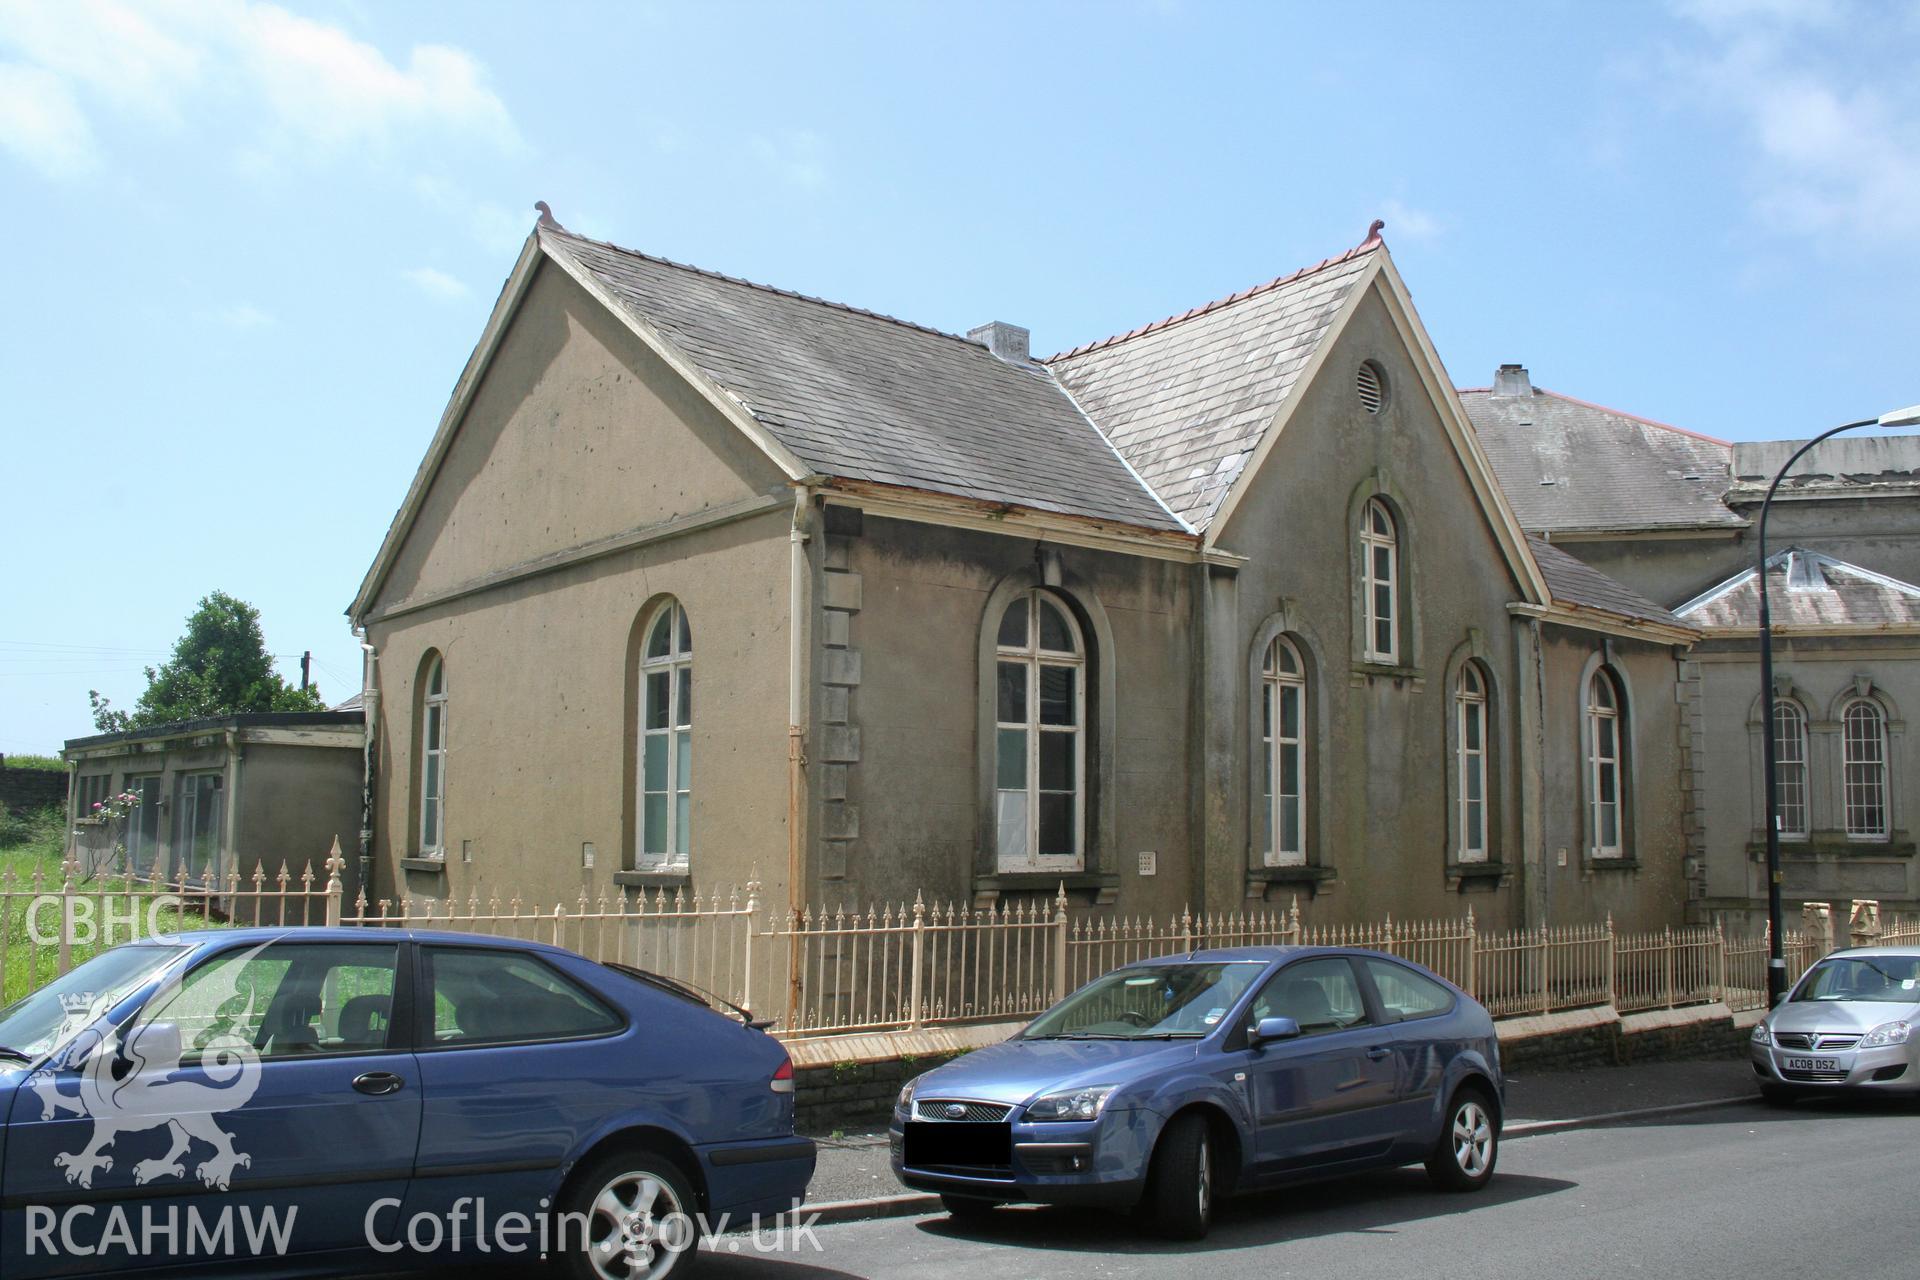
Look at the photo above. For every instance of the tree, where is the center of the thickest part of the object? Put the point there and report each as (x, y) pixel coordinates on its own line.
(220, 667)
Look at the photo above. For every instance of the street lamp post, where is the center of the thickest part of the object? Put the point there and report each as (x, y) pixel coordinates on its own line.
(1776, 953)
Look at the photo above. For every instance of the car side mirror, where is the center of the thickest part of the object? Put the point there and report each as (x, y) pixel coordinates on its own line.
(1270, 1029)
(156, 1044)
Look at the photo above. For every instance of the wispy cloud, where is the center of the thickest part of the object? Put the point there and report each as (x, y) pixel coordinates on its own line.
(243, 315)
(492, 225)
(42, 124)
(309, 86)
(435, 283)
(797, 157)
(1832, 152)
(1406, 222)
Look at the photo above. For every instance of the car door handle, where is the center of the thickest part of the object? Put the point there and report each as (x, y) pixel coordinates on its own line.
(379, 1083)
(1377, 1052)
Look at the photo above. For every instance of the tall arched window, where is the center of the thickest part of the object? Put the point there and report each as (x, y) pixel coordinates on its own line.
(1606, 724)
(1380, 562)
(1039, 752)
(666, 740)
(1863, 729)
(1470, 763)
(1283, 747)
(1790, 768)
(433, 761)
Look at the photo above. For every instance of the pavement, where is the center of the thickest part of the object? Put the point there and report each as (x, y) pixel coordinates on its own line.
(855, 1181)
(1737, 1189)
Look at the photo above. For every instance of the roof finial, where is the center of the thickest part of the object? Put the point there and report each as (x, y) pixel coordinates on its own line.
(1373, 232)
(546, 215)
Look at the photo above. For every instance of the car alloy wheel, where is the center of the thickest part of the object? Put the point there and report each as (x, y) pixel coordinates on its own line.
(1204, 1182)
(1472, 1138)
(1468, 1146)
(638, 1228)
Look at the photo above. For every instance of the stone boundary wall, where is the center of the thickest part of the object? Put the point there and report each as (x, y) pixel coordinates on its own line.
(856, 1090)
(24, 790)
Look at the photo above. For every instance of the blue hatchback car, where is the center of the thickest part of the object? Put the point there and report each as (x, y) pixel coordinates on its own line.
(277, 1102)
(1170, 1082)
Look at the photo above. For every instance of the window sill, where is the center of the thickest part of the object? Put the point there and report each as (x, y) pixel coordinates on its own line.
(1365, 670)
(1262, 881)
(1826, 847)
(1102, 888)
(1464, 877)
(1589, 865)
(663, 878)
(431, 866)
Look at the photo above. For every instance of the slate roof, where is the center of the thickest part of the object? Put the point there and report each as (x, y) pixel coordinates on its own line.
(1186, 399)
(861, 396)
(1568, 465)
(1576, 583)
(1807, 589)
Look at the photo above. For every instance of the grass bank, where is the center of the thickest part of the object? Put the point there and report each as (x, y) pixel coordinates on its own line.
(32, 870)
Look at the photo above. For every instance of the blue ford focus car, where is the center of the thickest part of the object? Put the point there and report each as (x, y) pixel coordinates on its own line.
(1170, 1082)
(281, 1102)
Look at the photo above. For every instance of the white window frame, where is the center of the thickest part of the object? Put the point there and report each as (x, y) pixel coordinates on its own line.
(1281, 847)
(1380, 532)
(1872, 783)
(1611, 712)
(433, 761)
(1031, 658)
(675, 737)
(1470, 762)
(1792, 778)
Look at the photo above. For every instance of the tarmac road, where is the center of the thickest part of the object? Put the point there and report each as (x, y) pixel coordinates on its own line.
(1821, 1191)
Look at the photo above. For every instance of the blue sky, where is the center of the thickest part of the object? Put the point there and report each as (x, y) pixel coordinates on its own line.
(250, 246)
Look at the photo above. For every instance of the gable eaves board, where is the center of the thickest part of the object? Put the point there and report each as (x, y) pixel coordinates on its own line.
(504, 309)
(730, 406)
(1439, 389)
(1466, 443)
(1251, 468)
(532, 253)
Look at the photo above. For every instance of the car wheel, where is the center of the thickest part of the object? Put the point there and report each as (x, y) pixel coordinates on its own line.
(1180, 1181)
(638, 1216)
(967, 1209)
(1778, 1095)
(1469, 1143)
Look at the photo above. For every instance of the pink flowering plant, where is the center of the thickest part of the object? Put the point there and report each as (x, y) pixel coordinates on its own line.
(111, 814)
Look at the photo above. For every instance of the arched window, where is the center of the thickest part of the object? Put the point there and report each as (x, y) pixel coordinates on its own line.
(1283, 748)
(433, 761)
(1039, 752)
(666, 740)
(1606, 724)
(1470, 764)
(1380, 567)
(1863, 729)
(1790, 768)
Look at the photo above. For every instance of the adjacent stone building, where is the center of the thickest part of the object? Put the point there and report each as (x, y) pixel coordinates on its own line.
(1672, 514)
(222, 796)
(702, 580)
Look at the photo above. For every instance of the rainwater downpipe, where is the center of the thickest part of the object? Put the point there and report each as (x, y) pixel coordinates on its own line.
(796, 729)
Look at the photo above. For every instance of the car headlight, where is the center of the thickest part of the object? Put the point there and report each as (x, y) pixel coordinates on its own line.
(1072, 1104)
(1760, 1033)
(1885, 1034)
(905, 1102)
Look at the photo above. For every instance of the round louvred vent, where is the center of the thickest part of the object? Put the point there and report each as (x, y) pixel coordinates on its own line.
(1371, 384)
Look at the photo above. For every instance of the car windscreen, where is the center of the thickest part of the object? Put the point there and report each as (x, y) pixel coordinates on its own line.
(1887, 979)
(1150, 1002)
(44, 1021)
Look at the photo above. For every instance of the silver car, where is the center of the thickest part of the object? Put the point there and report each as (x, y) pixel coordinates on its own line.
(1851, 1023)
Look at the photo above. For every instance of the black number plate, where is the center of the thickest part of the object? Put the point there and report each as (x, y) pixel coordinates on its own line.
(958, 1144)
